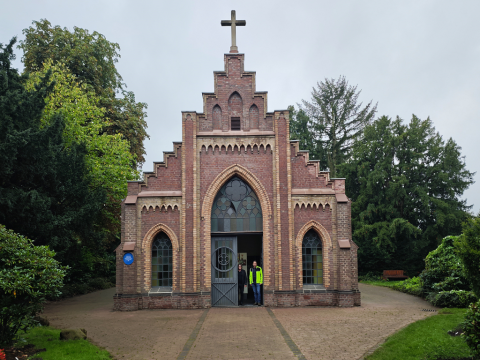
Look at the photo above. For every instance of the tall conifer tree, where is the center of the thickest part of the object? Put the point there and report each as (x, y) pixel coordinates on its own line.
(406, 184)
(337, 119)
(301, 130)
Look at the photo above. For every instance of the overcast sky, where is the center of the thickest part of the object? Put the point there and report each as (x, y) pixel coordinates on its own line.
(412, 57)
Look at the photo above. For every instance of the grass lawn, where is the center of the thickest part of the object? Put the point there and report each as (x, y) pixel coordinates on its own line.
(426, 339)
(49, 338)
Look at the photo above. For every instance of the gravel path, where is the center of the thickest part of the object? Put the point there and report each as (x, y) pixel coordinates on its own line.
(240, 333)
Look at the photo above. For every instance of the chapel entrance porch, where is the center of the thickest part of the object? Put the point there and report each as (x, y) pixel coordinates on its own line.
(229, 250)
(251, 245)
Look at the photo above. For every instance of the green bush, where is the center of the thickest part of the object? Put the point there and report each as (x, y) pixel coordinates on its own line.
(69, 290)
(471, 328)
(444, 269)
(451, 271)
(370, 276)
(99, 284)
(452, 298)
(468, 250)
(89, 264)
(28, 274)
(112, 279)
(410, 286)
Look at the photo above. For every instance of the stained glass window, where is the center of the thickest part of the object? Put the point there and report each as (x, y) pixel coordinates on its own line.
(236, 208)
(162, 261)
(312, 259)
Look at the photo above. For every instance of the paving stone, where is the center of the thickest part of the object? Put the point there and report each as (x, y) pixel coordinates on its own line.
(348, 333)
(240, 333)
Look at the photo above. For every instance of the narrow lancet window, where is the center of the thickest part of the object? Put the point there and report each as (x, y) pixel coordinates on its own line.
(312, 259)
(254, 117)
(162, 261)
(217, 118)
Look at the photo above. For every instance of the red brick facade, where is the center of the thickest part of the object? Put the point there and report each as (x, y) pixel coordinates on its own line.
(295, 197)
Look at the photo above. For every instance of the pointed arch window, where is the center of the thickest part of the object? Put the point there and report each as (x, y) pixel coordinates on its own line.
(217, 117)
(235, 109)
(254, 116)
(236, 208)
(162, 260)
(312, 259)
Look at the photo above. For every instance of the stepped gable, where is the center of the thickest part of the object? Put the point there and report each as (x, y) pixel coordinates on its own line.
(234, 96)
(164, 180)
(306, 173)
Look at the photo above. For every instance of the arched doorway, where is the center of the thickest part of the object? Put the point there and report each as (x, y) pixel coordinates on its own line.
(236, 229)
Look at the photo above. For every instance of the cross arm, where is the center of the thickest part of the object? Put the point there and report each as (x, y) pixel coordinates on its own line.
(237, 22)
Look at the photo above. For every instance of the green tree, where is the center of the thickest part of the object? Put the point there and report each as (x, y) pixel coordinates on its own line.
(91, 58)
(45, 189)
(336, 120)
(301, 130)
(405, 182)
(28, 274)
(108, 158)
(468, 250)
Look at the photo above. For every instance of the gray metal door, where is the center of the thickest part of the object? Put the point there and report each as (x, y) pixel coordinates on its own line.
(224, 271)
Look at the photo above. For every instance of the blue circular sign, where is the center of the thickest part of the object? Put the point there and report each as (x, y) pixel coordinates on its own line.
(128, 258)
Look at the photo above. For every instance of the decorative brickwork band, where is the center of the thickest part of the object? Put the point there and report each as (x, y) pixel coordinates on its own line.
(327, 250)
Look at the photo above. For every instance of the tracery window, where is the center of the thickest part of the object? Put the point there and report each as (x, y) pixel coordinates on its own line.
(312, 259)
(236, 208)
(162, 261)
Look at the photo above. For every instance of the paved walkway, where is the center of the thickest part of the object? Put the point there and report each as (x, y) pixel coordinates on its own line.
(240, 333)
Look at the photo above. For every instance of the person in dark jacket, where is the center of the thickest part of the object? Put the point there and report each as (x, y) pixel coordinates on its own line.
(242, 283)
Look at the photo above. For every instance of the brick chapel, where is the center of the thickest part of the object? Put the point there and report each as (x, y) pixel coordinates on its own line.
(234, 191)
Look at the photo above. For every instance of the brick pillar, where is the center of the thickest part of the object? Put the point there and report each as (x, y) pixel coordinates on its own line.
(283, 203)
(130, 271)
(189, 212)
(118, 254)
(344, 258)
(345, 270)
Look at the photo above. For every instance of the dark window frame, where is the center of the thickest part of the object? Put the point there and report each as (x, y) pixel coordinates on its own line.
(312, 259)
(162, 261)
(237, 126)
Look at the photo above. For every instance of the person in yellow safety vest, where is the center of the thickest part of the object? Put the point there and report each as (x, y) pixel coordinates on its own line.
(256, 279)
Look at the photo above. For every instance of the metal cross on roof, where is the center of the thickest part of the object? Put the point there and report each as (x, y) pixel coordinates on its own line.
(234, 23)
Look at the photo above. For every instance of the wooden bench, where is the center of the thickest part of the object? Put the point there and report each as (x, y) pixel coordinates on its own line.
(394, 274)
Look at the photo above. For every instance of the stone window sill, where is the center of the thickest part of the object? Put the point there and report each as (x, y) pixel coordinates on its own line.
(313, 287)
(160, 290)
